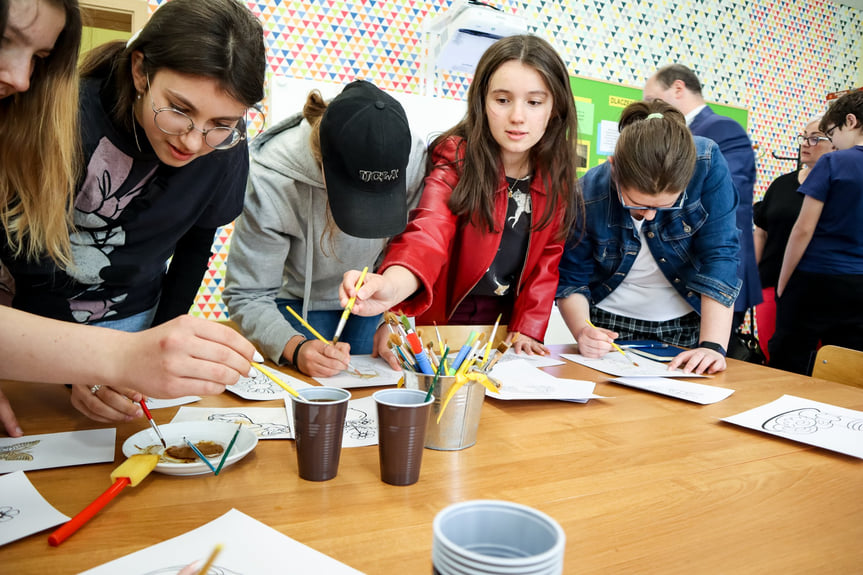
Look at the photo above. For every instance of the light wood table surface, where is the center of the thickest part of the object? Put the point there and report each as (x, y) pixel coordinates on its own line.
(640, 483)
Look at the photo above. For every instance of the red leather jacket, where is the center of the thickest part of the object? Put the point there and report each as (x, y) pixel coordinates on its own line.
(449, 255)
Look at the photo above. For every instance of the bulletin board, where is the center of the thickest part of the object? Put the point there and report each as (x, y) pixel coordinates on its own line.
(599, 105)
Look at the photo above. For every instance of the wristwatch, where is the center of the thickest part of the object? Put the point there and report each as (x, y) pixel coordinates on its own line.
(713, 346)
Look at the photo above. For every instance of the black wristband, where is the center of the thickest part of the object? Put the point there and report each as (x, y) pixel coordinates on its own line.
(712, 346)
(296, 357)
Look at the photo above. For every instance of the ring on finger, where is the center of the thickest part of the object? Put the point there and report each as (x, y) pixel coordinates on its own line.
(95, 388)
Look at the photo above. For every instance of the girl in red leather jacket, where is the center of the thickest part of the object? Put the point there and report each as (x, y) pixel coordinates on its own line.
(499, 200)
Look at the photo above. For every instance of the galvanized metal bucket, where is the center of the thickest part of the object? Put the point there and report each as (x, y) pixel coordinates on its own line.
(458, 426)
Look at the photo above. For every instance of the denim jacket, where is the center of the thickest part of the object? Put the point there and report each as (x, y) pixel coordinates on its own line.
(696, 247)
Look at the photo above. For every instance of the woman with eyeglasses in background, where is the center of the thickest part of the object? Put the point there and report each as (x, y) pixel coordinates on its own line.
(164, 164)
(655, 256)
(38, 142)
(774, 216)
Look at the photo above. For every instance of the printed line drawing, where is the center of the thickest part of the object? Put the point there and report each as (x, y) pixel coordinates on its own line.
(856, 425)
(358, 424)
(802, 421)
(258, 383)
(8, 513)
(18, 451)
(261, 429)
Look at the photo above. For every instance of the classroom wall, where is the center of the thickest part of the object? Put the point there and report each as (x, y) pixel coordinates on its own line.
(776, 58)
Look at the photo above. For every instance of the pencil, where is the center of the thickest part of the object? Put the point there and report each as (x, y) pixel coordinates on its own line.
(350, 306)
(230, 445)
(200, 455)
(615, 346)
(272, 376)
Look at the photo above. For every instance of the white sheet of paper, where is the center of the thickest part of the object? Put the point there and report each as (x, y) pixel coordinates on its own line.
(361, 422)
(265, 422)
(533, 360)
(614, 363)
(810, 422)
(57, 449)
(688, 390)
(374, 372)
(521, 380)
(154, 403)
(260, 387)
(23, 510)
(249, 547)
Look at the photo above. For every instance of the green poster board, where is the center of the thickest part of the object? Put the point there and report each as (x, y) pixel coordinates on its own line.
(599, 105)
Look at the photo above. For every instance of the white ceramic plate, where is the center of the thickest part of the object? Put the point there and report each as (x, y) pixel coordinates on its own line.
(194, 431)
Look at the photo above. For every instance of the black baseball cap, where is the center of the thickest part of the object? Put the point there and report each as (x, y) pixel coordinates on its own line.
(365, 145)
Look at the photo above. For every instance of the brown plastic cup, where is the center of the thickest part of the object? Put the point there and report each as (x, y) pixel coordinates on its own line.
(319, 422)
(402, 421)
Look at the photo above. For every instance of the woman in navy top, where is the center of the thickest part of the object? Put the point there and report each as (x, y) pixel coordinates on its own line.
(818, 293)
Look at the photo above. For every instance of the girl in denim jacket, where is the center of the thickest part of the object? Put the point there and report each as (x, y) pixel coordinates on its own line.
(655, 256)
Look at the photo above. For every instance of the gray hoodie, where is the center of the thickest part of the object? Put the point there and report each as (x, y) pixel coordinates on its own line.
(270, 255)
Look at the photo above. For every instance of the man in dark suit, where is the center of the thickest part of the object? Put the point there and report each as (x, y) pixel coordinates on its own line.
(680, 87)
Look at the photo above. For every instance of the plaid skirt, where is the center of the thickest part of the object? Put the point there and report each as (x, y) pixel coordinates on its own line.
(682, 331)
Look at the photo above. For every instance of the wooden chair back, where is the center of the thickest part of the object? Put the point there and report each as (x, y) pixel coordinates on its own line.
(839, 364)
(456, 335)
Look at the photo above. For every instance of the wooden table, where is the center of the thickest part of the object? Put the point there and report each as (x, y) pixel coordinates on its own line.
(640, 483)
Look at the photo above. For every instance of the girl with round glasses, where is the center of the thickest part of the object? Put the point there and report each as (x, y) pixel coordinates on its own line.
(774, 216)
(186, 356)
(655, 256)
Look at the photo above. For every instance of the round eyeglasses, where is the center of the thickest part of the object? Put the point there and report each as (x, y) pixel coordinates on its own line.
(811, 140)
(176, 123)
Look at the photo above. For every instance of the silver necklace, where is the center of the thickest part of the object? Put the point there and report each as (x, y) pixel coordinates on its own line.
(515, 182)
(135, 130)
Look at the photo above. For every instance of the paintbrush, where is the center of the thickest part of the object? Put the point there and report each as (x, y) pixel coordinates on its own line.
(343, 320)
(491, 339)
(153, 423)
(501, 349)
(228, 449)
(272, 376)
(200, 455)
(317, 335)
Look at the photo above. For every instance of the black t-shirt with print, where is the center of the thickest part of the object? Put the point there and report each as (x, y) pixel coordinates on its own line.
(504, 273)
(130, 213)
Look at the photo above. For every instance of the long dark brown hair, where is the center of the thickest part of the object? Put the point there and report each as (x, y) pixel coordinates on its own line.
(655, 152)
(218, 39)
(554, 156)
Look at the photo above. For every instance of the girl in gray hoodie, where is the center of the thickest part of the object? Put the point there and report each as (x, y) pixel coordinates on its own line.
(297, 234)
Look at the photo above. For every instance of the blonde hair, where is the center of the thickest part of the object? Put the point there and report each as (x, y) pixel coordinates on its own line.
(39, 151)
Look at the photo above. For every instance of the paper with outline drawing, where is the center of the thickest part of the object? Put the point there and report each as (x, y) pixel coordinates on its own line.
(23, 510)
(688, 390)
(521, 380)
(810, 422)
(260, 387)
(374, 372)
(613, 363)
(361, 420)
(250, 547)
(533, 360)
(154, 403)
(265, 422)
(57, 449)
